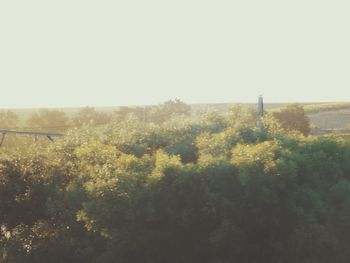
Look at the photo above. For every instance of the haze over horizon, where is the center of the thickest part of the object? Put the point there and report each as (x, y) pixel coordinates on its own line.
(114, 53)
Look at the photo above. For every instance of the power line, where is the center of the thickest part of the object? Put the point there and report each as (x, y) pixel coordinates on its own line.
(50, 127)
(50, 136)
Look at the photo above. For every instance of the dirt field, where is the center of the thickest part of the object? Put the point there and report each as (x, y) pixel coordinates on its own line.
(331, 119)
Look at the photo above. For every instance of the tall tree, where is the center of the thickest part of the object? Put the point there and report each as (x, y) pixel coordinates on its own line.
(165, 111)
(293, 117)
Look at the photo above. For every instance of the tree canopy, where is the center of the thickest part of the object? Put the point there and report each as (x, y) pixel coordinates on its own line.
(208, 189)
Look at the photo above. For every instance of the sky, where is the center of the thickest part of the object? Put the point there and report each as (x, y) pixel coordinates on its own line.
(110, 53)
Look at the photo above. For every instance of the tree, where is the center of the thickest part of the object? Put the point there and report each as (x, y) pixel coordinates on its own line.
(48, 120)
(242, 116)
(123, 113)
(293, 117)
(168, 109)
(8, 119)
(89, 115)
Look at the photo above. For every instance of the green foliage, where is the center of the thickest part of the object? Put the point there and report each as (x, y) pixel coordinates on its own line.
(48, 120)
(213, 188)
(242, 116)
(293, 117)
(254, 159)
(8, 120)
(123, 113)
(167, 110)
(217, 144)
(89, 115)
(156, 114)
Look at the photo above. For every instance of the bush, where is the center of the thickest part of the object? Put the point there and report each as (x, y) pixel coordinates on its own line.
(293, 117)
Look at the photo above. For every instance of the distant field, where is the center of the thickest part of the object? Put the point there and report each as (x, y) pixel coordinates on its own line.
(327, 116)
(314, 108)
(310, 107)
(331, 119)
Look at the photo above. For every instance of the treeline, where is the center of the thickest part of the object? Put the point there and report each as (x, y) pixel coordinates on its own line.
(59, 121)
(216, 188)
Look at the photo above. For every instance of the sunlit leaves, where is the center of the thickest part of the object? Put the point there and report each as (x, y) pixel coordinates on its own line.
(256, 158)
(213, 188)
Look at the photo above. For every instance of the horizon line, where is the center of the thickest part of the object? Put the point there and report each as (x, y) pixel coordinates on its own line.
(145, 105)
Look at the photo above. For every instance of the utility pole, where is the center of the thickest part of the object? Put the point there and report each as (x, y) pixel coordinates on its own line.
(2, 138)
(260, 111)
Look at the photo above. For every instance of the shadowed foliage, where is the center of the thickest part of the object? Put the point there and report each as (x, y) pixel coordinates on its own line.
(213, 188)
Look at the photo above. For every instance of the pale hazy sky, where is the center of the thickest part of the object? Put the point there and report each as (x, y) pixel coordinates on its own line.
(82, 52)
